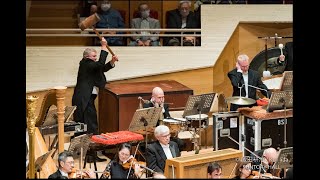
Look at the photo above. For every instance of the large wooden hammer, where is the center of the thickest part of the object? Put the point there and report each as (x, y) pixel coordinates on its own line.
(89, 22)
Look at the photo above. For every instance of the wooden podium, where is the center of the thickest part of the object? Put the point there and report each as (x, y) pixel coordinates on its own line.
(195, 166)
(118, 102)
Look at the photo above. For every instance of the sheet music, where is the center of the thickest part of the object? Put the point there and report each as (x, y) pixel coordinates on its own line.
(273, 83)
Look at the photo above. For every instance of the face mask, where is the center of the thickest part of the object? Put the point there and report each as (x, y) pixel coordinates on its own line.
(105, 7)
(145, 14)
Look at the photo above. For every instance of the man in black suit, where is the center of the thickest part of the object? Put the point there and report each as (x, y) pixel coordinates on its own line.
(242, 76)
(66, 164)
(181, 18)
(287, 57)
(161, 150)
(90, 77)
(157, 100)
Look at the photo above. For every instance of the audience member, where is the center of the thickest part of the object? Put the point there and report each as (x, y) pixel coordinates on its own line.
(145, 22)
(181, 18)
(110, 18)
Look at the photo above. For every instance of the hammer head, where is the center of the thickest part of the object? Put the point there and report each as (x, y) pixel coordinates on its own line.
(89, 21)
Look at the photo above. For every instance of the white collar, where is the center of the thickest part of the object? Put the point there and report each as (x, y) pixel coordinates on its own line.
(63, 173)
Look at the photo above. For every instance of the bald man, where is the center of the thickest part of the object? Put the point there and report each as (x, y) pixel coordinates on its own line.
(269, 157)
(157, 100)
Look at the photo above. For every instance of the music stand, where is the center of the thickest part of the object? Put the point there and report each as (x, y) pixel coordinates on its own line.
(285, 159)
(286, 83)
(280, 100)
(79, 146)
(146, 119)
(52, 117)
(41, 160)
(198, 104)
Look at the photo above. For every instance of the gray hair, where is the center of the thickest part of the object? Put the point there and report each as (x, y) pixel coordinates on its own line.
(242, 57)
(161, 130)
(186, 1)
(87, 51)
(63, 156)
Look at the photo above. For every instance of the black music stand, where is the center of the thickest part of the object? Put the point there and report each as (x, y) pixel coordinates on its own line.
(286, 83)
(41, 160)
(79, 147)
(285, 159)
(146, 119)
(280, 100)
(198, 104)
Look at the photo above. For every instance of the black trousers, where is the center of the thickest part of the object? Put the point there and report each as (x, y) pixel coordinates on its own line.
(90, 116)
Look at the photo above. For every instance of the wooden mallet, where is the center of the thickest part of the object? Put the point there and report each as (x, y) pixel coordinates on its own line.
(89, 22)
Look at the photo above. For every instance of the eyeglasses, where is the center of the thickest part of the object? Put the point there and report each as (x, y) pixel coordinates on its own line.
(70, 162)
(166, 135)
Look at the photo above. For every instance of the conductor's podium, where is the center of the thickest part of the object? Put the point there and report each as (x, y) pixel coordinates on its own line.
(195, 165)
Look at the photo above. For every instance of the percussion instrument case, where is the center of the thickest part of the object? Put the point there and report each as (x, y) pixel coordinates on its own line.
(226, 121)
(261, 134)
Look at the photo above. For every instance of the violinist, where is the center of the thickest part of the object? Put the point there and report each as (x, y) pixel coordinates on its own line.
(243, 170)
(66, 167)
(120, 167)
(265, 165)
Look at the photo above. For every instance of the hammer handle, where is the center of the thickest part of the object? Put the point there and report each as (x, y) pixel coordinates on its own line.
(98, 34)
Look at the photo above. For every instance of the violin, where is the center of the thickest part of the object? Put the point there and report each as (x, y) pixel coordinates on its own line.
(133, 161)
(75, 174)
(256, 175)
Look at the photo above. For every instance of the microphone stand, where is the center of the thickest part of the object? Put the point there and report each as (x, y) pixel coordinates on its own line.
(145, 124)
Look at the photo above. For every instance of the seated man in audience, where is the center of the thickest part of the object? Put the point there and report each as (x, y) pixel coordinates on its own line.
(214, 171)
(161, 150)
(110, 18)
(145, 22)
(182, 18)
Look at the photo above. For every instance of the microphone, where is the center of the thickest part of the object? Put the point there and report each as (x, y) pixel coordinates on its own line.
(260, 89)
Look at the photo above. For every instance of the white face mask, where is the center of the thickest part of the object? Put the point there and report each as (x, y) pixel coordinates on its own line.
(105, 7)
